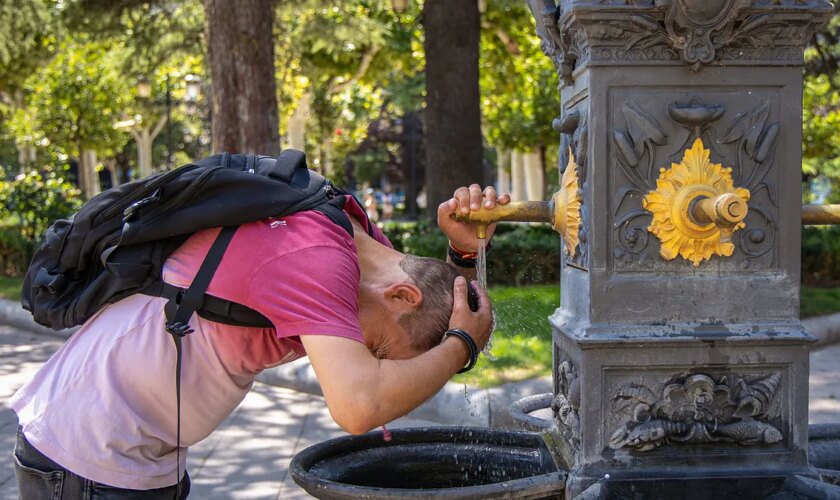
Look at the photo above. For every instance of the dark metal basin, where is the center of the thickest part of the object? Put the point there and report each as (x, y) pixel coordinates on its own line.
(430, 462)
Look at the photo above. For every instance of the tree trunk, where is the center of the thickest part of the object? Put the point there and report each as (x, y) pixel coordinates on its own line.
(88, 176)
(453, 119)
(296, 137)
(518, 190)
(241, 54)
(534, 186)
(503, 170)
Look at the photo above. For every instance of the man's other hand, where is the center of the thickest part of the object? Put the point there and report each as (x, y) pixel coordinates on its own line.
(462, 235)
(478, 324)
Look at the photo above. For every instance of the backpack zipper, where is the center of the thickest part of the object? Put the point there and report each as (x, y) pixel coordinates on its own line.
(325, 193)
(195, 185)
(145, 189)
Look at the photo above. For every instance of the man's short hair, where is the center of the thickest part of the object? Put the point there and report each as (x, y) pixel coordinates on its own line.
(435, 278)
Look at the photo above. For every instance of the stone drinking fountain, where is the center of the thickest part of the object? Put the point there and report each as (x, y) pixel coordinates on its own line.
(680, 363)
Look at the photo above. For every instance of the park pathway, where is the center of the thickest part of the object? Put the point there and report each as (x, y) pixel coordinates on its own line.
(248, 456)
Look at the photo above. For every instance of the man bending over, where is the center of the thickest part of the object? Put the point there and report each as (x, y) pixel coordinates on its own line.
(99, 419)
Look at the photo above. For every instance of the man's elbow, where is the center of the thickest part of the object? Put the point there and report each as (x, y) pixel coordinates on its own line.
(356, 419)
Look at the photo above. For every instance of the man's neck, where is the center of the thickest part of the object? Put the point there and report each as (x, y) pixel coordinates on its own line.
(377, 262)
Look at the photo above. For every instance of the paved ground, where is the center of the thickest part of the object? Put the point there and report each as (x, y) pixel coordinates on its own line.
(248, 456)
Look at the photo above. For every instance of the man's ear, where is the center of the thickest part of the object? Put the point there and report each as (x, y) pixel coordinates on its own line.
(404, 295)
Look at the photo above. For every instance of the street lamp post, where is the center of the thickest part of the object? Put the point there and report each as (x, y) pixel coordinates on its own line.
(194, 87)
(144, 133)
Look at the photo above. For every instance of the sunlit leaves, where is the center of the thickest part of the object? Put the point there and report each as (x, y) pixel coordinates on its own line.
(518, 82)
(76, 99)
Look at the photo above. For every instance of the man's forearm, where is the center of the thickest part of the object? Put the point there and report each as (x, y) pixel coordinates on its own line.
(405, 384)
(363, 392)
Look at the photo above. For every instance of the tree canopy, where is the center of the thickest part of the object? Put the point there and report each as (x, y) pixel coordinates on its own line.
(68, 73)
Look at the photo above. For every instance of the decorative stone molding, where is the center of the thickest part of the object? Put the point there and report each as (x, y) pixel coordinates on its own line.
(691, 32)
(698, 408)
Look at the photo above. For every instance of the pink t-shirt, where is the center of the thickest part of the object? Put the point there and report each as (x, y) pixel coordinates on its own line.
(104, 407)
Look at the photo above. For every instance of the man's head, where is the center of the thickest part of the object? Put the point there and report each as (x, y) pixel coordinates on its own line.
(409, 314)
(435, 278)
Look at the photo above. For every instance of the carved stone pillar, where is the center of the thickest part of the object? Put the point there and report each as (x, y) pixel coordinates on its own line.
(679, 355)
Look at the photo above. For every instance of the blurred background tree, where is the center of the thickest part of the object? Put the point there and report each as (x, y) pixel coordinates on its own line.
(404, 97)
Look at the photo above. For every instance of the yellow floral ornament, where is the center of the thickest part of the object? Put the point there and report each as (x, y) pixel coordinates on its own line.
(677, 189)
(567, 207)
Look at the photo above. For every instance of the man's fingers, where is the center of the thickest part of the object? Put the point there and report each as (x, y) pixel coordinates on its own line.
(484, 306)
(462, 197)
(471, 198)
(459, 294)
(490, 197)
(475, 197)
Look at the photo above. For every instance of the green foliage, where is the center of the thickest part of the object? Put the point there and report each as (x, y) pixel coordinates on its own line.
(521, 254)
(10, 286)
(15, 254)
(148, 35)
(818, 301)
(77, 98)
(821, 256)
(518, 82)
(417, 238)
(27, 36)
(522, 339)
(821, 114)
(35, 200)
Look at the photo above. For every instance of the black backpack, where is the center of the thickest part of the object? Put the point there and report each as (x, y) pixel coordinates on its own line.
(115, 246)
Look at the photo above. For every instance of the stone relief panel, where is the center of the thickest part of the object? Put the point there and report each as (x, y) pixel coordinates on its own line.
(652, 129)
(574, 138)
(658, 410)
(566, 404)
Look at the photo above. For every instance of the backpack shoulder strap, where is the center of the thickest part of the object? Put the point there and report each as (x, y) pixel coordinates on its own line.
(179, 312)
(180, 309)
(334, 210)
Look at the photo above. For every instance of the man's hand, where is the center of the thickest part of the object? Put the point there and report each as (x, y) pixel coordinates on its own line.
(461, 234)
(478, 324)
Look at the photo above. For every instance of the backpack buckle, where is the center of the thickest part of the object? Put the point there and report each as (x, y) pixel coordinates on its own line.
(178, 328)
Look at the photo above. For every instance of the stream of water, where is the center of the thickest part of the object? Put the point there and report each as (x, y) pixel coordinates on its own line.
(481, 264)
(481, 277)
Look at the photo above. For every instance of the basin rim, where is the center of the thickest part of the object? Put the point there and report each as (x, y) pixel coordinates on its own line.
(537, 486)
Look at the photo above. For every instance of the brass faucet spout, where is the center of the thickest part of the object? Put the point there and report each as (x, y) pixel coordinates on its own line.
(517, 211)
(821, 214)
(725, 210)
